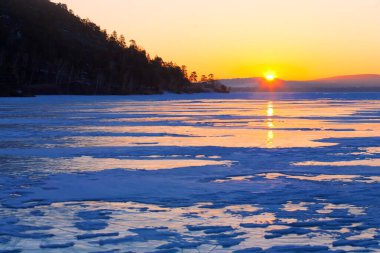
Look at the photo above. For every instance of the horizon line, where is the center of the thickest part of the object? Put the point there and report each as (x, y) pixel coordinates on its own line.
(304, 80)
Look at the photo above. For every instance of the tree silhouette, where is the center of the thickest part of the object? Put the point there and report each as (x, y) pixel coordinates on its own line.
(193, 77)
(204, 79)
(46, 49)
(211, 78)
(122, 42)
(184, 71)
(114, 36)
(133, 44)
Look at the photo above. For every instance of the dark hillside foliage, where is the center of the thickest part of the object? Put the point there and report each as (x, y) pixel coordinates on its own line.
(46, 49)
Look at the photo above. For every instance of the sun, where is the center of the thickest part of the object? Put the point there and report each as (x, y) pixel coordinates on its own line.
(270, 75)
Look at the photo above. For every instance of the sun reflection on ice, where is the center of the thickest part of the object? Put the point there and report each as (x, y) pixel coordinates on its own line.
(270, 125)
(270, 138)
(270, 109)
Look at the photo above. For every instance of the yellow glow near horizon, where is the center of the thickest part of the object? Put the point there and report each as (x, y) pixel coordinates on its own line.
(299, 39)
(270, 75)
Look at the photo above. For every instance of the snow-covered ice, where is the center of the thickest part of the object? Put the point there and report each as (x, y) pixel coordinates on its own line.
(283, 172)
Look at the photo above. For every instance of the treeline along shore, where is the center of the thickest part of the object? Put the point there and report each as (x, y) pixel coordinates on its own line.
(46, 49)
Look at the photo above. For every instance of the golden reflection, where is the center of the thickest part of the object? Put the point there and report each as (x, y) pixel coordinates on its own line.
(325, 177)
(97, 164)
(263, 218)
(270, 138)
(366, 162)
(270, 109)
(270, 124)
(130, 130)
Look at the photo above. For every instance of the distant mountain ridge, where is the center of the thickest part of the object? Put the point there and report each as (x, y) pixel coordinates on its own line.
(349, 83)
(373, 77)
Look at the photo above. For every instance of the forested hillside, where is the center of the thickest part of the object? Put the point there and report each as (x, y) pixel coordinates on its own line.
(46, 49)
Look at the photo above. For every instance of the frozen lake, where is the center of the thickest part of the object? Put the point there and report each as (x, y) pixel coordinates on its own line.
(191, 173)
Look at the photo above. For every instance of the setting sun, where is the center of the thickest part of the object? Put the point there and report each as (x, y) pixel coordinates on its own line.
(162, 126)
(270, 75)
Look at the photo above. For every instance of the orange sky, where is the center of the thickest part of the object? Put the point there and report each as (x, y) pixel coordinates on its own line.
(298, 39)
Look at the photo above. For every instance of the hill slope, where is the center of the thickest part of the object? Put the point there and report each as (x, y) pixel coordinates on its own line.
(46, 49)
(350, 83)
(362, 79)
